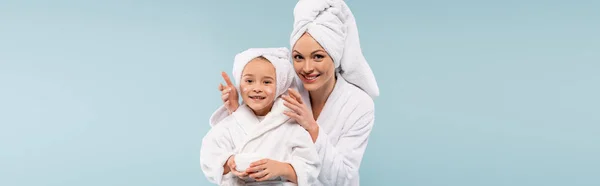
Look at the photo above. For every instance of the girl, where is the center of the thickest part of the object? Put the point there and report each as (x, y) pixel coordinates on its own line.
(259, 126)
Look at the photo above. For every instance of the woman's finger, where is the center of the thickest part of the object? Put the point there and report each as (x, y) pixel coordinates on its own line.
(290, 100)
(290, 93)
(295, 108)
(292, 115)
(296, 95)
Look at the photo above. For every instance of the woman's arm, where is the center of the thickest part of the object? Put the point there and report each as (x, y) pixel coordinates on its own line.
(342, 161)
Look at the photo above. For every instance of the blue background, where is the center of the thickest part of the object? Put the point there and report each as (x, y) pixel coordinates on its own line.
(472, 92)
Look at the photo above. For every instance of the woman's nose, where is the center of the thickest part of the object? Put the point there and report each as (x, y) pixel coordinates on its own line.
(308, 67)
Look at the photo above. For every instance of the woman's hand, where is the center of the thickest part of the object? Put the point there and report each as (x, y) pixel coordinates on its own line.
(231, 165)
(229, 94)
(265, 169)
(300, 113)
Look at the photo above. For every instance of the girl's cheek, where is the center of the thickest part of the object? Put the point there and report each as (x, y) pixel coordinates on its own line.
(269, 91)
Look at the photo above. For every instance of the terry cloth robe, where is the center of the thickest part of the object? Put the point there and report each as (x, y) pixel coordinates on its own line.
(348, 116)
(276, 137)
(345, 124)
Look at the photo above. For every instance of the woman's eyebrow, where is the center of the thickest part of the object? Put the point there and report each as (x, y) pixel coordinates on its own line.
(319, 50)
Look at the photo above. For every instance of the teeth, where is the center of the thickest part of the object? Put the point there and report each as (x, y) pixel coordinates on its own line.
(311, 77)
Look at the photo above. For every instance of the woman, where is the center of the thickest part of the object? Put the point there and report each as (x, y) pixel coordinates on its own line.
(336, 88)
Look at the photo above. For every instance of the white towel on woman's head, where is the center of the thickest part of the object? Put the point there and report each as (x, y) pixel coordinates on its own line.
(279, 57)
(332, 25)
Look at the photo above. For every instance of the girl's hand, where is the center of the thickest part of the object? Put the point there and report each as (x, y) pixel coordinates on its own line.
(266, 169)
(229, 94)
(231, 165)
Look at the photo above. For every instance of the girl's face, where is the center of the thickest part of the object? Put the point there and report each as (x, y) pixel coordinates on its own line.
(258, 85)
(312, 63)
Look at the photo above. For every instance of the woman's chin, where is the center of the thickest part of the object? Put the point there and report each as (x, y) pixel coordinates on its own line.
(312, 86)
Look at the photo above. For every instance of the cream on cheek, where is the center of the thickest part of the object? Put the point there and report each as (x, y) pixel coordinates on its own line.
(269, 91)
(245, 89)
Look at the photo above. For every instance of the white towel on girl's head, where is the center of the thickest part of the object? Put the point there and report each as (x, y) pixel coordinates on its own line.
(332, 24)
(279, 57)
(284, 71)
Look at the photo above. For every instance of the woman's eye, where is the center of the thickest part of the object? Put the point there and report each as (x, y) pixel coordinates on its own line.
(298, 57)
(319, 56)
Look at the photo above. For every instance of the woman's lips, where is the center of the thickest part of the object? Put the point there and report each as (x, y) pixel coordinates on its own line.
(310, 78)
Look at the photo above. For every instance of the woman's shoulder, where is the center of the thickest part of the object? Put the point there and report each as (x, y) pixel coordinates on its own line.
(351, 95)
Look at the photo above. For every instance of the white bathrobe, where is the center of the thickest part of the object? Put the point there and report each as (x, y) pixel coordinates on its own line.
(276, 137)
(346, 121)
(344, 127)
(345, 124)
(348, 116)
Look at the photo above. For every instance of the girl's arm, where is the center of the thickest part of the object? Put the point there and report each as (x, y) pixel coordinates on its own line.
(215, 151)
(303, 168)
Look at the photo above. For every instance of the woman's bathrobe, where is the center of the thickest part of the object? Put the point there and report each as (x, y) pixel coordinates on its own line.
(276, 137)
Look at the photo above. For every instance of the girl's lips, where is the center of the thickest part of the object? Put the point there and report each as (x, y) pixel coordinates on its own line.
(257, 98)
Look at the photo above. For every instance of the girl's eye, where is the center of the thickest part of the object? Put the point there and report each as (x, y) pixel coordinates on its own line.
(249, 81)
(267, 82)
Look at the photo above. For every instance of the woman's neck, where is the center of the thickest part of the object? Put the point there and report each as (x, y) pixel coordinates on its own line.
(319, 97)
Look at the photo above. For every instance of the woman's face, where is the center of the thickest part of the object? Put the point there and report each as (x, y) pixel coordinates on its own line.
(312, 63)
(258, 85)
